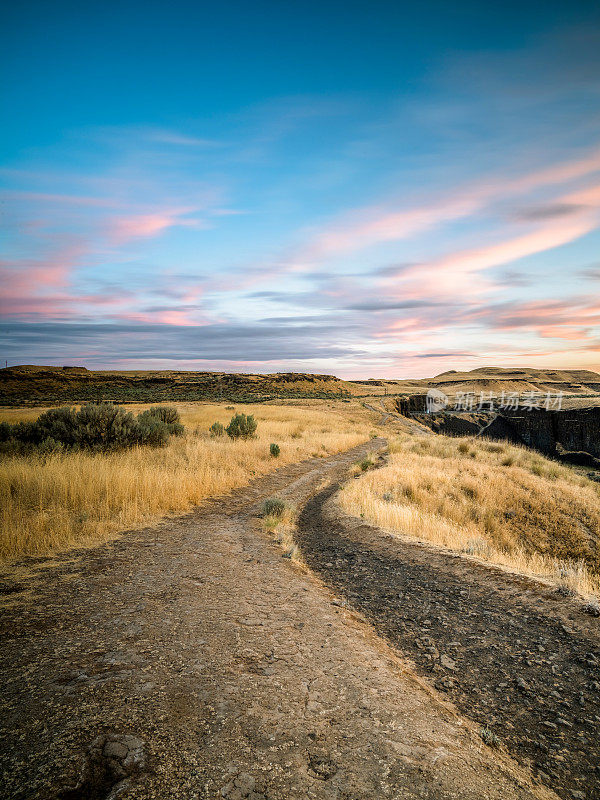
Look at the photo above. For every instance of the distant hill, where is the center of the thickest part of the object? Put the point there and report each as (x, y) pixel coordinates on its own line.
(30, 384)
(498, 379)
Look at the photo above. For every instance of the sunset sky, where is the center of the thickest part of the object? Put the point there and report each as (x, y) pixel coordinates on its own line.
(360, 188)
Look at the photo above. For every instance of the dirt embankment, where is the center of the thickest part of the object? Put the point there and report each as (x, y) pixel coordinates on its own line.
(194, 661)
(518, 659)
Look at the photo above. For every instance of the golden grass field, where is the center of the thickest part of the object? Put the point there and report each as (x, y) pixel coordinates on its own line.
(76, 499)
(504, 504)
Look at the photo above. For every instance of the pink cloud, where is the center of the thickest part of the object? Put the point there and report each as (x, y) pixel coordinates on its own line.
(589, 196)
(29, 284)
(175, 317)
(146, 225)
(571, 319)
(457, 274)
(369, 226)
(373, 225)
(555, 174)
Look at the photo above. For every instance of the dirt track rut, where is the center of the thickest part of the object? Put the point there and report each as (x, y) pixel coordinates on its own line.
(512, 655)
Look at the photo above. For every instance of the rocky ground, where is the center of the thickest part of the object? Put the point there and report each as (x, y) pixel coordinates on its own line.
(521, 660)
(194, 661)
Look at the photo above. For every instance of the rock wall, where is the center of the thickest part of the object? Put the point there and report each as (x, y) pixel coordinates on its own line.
(550, 432)
(559, 433)
(452, 424)
(410, 405)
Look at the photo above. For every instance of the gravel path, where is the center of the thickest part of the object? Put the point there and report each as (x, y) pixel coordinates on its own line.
(512, 655)
(194, 661)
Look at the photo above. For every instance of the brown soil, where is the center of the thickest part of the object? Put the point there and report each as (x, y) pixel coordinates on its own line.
(517, 658)
(194, 661)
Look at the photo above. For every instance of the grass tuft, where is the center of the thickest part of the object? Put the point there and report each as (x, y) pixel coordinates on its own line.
(489, 737)
(273, 507)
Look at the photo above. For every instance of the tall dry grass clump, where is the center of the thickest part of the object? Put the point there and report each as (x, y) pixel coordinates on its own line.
(505, 504)
(73, 498)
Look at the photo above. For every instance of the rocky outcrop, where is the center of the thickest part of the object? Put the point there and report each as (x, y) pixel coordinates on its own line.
(571, 435)
(411, 405)
(554, 433)
(446, 422)
(458, 424)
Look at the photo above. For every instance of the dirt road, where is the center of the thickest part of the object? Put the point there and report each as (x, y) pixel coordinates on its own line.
(194, 661)
(514, 656)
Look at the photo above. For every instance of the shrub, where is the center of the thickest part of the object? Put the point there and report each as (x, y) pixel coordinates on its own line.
(49, 446)
(104, 426)
(5, 431)
(60, 424)
(366, 464)
(25, 432)
(151, 431)
(96, 426)
(275, 450)
(273, 507)
(167, 414)
(147, 419)
(217, 429)
(241, 426)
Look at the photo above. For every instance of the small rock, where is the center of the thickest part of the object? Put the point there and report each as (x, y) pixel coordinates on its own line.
(448, 662)
(111, 761)
(115, 749)
(245, 783)
(564, 722)
(446, 683)
(321, 767)
(593, 609)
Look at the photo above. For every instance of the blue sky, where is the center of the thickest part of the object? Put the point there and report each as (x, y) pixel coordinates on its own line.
(365, 189)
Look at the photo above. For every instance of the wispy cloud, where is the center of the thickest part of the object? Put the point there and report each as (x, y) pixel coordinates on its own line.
(147, 225)
(460, 273)
(371, 226)
(572, 318)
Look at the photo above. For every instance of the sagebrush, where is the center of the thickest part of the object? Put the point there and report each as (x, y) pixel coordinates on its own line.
(242, 426)
(96, 426)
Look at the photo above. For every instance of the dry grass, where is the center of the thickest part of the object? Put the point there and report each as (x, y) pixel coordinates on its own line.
(78, 498)
(282, 527)
(504, 504)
